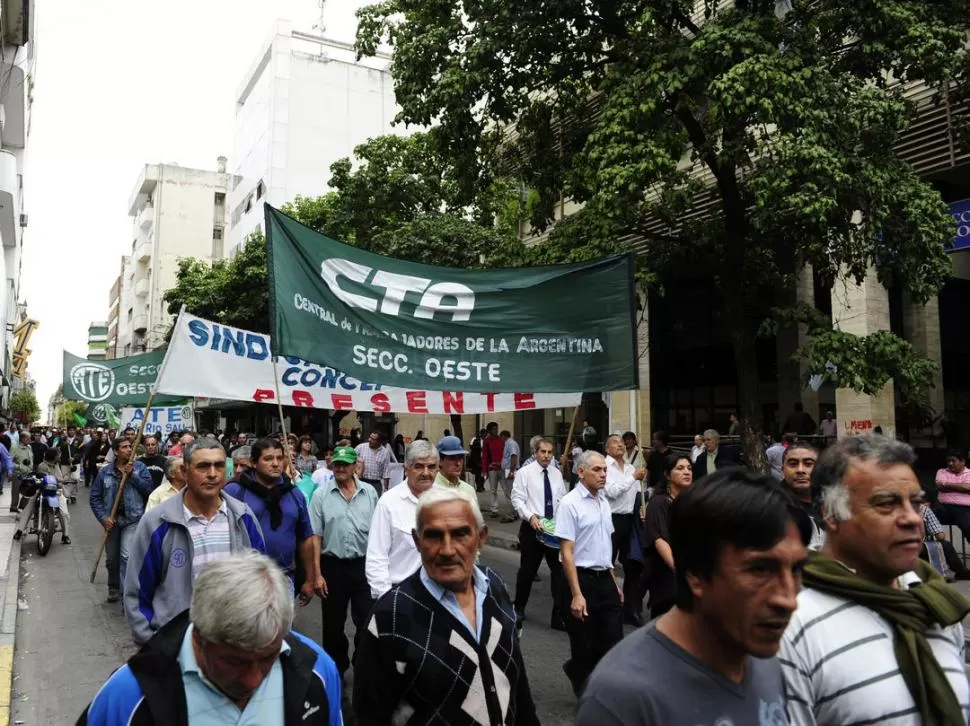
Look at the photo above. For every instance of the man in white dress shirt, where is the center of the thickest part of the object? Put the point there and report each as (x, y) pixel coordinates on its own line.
(622, 487)
(536, 493)
(590, 597)
(392, 556)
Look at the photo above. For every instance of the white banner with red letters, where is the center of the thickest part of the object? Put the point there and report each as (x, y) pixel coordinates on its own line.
(211, 360)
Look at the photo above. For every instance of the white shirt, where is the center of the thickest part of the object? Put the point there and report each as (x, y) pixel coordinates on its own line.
(392, 556)
(529, 490)
(839, 665)
(322, 475)
(621, 487)
(585, 520)
(696, 451)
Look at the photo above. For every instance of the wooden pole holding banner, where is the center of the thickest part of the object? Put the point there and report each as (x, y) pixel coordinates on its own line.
(564, 459)
(121, 487)
(279, 407)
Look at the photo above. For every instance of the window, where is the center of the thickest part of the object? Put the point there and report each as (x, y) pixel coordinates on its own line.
(131, 312)
(217, 233)
(249, 204)
(260, 189)
(220, 199)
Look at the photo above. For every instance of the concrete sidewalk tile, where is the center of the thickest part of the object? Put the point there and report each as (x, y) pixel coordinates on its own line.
(6, 682)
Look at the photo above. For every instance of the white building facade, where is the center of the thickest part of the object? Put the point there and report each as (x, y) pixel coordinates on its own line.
(176, 213)
(16, 97)
(304, 104)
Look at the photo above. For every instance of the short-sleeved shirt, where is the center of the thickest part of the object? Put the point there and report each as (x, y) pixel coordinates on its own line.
(343, 524)
(281, 543)
(587, 521)
(510, 449)
(657, 526)
(664, 685)
(375, 460)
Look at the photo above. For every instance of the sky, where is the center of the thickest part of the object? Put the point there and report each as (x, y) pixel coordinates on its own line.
(120, 84)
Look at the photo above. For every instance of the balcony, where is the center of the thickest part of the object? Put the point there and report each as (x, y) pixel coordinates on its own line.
(140, 324)
(13, 96)
(142, 251)
(146, 217)
(141, 288)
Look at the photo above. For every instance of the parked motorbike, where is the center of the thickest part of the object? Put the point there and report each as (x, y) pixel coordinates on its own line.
(44, 521)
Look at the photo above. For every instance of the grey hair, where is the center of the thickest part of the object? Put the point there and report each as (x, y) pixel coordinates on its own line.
(199, 445)
(828, 476)
(242, 600)
(439, 495)
(420, 449)
(534, 443)
(712, 433)
(612, 437)
(241, 453)
(582, 461)
(171, 465)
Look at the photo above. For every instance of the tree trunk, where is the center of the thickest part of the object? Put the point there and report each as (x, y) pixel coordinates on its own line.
(743, 324)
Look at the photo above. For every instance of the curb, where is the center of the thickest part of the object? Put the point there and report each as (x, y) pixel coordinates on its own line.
(498, 539)
(8, 631)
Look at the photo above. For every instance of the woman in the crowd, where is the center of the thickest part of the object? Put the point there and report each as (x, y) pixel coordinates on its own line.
(660, 559)
(953, 485)
(399, 447)
(306, 462)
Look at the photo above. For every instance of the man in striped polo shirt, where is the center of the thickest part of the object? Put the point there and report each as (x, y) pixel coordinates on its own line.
(877, 637)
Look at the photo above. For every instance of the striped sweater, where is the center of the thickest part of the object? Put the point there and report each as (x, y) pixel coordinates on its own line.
(840, 669)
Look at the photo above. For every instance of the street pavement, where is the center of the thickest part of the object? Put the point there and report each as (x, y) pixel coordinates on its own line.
(69, 639)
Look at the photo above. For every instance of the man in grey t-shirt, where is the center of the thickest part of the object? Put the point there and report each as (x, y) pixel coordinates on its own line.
(738, 543)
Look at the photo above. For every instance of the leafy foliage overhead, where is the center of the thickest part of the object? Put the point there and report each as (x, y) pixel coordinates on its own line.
(738, 140)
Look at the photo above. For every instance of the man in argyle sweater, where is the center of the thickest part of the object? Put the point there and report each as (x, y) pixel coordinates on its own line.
(440, 648)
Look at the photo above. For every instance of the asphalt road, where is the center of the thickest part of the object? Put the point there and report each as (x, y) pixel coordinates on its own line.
(69, 640)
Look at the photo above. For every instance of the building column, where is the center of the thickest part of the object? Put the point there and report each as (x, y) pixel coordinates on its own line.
(630, 410)
(862, 310)
(921, 327)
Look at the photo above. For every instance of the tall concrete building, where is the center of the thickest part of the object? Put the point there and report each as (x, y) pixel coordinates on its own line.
(176, 213)
(16, 98)
(304, 104)
(98, 340)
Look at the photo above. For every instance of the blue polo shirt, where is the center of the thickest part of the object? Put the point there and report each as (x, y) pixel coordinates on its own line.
(281, 543)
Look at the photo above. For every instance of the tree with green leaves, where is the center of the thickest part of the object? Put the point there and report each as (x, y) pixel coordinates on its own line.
(24, 405)
(742, 141)
(68, 412)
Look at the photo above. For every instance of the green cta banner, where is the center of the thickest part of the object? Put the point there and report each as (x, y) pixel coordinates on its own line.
(118, 382)
(387, 321)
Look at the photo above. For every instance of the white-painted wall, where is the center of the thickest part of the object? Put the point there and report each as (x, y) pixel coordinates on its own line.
(302, 106)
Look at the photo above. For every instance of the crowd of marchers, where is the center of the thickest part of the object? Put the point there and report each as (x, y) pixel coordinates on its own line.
(813, 595)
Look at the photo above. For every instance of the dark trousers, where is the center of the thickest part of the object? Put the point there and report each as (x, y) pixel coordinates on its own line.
(592, 637)
(376, 483)
(531, 554)
(14, 493)
(346, 585)
(112, 558)
(633, 591)
(954, 514)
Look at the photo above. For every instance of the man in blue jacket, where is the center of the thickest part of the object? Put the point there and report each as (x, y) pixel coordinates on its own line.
(120, 528)
(282, 511)
(180, 536)
(231, 658)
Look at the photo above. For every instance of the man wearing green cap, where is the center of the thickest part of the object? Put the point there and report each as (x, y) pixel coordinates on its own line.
(340, 514)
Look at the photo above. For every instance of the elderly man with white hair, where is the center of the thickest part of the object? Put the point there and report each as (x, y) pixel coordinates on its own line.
(441, 646)
(231, 658)
(391, 554)
(877, 636)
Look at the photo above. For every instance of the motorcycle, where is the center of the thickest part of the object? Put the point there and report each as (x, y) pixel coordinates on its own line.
(44, 521)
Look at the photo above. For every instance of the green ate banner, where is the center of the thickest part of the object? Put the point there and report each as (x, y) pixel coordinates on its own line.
(117, 382)
(392, 322)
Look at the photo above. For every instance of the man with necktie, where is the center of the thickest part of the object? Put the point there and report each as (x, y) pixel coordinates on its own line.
(536, 492)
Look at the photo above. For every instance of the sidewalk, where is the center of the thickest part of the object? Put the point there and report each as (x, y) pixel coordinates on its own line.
(503, 536)
(9, 591)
